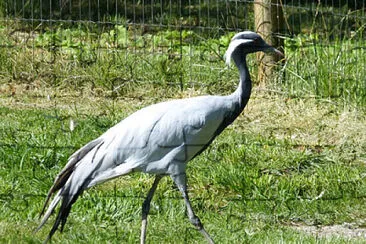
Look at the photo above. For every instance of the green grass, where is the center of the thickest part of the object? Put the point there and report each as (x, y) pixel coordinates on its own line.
(264, 175)
(326, 69)
(121, 61)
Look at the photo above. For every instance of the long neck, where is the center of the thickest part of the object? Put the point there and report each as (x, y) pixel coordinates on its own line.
(241, 96)
(242, 93)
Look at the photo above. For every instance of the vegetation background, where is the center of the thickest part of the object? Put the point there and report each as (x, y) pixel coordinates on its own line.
(290, 169)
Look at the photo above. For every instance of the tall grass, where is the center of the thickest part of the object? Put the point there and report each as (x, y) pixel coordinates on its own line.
(120, 60)
(324, 69)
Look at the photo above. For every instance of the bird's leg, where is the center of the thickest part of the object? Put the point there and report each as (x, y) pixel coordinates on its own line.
(146, 208)
(181, 182)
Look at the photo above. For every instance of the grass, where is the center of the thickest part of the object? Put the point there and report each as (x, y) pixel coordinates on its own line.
(121, 60)
(258, 180)
(295, 158)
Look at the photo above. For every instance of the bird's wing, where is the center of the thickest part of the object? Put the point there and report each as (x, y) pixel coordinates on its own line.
(150, 139)
(104, 154)
(190, 126)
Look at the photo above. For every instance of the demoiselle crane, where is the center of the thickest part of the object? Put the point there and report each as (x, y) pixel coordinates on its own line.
(159, 139)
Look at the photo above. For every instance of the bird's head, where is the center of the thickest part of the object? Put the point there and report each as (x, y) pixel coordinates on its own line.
(248, 42)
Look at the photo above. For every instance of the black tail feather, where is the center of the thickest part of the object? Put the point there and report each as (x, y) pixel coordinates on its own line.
(66, 172)
(68, 186)
(62, 214)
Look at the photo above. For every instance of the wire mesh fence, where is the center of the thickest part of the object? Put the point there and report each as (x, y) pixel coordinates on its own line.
(120, 46)
(180, 44)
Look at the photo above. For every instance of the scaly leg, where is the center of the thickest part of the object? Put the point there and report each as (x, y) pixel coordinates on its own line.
(146, 208)
(181, 182)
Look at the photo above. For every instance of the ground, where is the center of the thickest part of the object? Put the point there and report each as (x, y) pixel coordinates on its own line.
(288, 170)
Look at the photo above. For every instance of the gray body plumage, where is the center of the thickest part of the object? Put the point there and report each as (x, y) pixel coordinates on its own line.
(159, 139)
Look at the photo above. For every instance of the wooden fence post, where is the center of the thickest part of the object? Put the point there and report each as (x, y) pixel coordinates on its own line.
(269, 20)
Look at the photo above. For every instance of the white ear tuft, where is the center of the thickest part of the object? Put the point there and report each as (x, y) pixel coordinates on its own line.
(242, 34)
(232, 46)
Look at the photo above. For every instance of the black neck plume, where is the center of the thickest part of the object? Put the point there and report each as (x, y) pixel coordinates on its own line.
(242, 93)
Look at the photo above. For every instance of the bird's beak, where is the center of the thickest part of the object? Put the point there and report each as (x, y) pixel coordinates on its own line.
(271, 49)
(278, 52)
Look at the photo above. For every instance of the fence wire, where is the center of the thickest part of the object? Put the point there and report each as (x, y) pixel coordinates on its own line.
(179, 44)
(119, 45)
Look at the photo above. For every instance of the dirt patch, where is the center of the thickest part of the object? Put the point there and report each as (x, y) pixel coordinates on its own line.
(345, 230)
